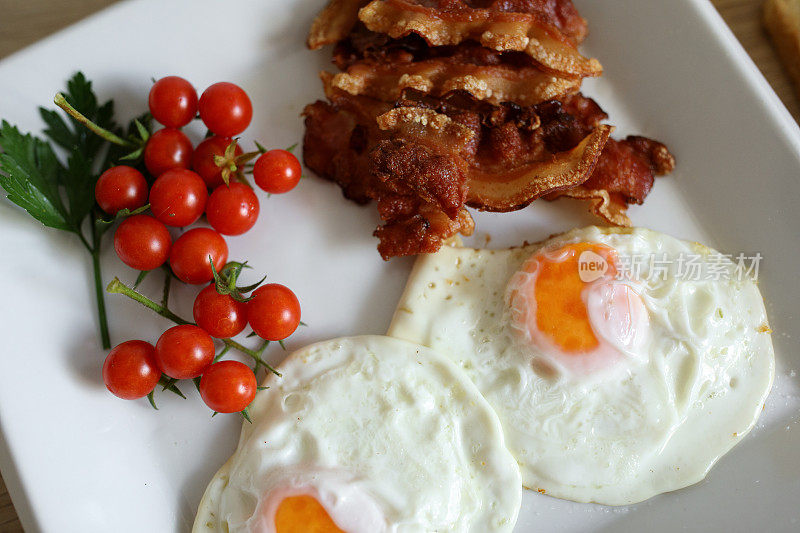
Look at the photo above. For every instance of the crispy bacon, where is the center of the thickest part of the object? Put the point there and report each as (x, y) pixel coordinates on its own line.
(420, 210)
(334, 22)
(426, 158)
(560, 13)
(422, 233)
(362, 44)
(443, 104)
(624, 175)
(520, 153)
(520, 188)
(625, 172)
(383, 72)
(337, 19)
(538, 29)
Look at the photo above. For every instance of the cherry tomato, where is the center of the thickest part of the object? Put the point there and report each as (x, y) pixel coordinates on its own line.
(178, 197)
(277, 171)
(130, 370)
(173, 101)
(225, 109)
(274, 312)
(228, 386)
(189, 257)
(203, 159)
(142, 242)
(166, 149)
(219, 314)
(184, 352)
(232, 209)
(120, 188)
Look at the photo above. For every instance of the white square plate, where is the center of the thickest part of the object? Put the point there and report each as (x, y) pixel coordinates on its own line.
(76, 459)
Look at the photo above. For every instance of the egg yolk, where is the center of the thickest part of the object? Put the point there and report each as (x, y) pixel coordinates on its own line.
(303, 514)
(561, 314)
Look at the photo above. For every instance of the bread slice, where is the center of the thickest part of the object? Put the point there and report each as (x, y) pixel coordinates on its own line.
(782, 20)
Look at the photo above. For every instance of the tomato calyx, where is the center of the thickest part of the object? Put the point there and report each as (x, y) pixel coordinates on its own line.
(233, 165)
(225, 281)
(167, 384)
(139, 139)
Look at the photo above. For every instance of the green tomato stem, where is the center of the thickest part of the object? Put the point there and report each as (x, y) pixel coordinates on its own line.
(117, 287)
(167, 285)
(61, 102)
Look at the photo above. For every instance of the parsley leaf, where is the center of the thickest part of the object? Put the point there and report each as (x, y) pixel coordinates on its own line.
(29, 173)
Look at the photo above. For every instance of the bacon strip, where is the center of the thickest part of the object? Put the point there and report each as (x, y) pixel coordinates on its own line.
(450, 22)
(380, 67)
(420, 209)
(565, 171)
(624, 175)
(522, 153)
(495, 84)
(559, 13)
(334, 23)
(422, 156)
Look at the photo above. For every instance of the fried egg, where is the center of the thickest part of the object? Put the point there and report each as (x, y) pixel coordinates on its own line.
(612, 383)
(366, 435)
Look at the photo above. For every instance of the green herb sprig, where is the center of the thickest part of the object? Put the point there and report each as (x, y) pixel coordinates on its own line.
(59, 191)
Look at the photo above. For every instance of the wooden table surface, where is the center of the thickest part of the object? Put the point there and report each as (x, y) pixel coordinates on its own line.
(26, 21)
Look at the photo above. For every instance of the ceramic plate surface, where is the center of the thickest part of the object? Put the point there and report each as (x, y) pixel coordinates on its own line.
(76, 459)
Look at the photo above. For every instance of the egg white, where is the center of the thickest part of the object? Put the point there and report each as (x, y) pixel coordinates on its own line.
(392, 436)
(658, 425)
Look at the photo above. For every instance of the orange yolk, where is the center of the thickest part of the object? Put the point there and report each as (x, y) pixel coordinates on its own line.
(561, 313)
(303, 514)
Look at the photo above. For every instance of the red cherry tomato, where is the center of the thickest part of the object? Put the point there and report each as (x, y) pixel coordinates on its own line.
(173, 101)
(130, 370)
(277, 171)
(225, 109)
(120, 188)
(189, 256)
(219, 314)
(142, 242)
(203, 159)
(184, 352)
(178, 197)
(232, 209)
(274, 312)
(166, 149)
(228, 386)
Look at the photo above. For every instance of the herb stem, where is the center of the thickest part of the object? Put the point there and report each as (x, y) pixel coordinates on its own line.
(117, 287)
(61, 102)
(105, 338)
(85, 243)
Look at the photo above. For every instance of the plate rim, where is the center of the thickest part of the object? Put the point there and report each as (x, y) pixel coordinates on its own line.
(712, 25)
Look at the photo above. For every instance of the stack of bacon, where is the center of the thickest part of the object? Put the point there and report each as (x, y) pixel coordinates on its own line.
(443, 104)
